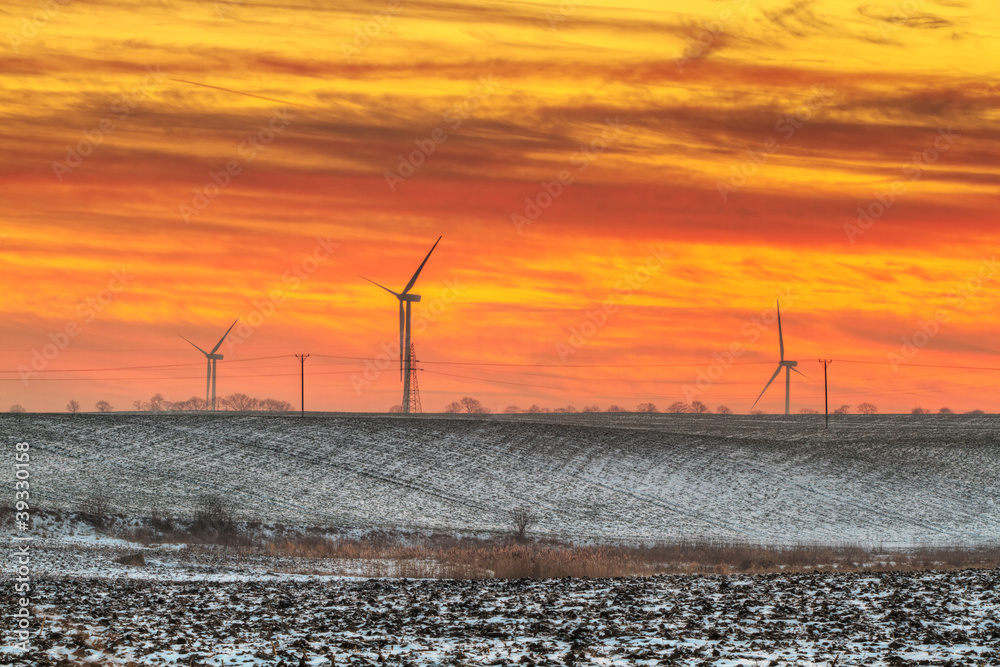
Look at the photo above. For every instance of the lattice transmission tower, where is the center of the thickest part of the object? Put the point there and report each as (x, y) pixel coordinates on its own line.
(411, 393)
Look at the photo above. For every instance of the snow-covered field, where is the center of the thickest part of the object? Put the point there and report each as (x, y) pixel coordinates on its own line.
(885, 619)
(891, 481)
(881, 480)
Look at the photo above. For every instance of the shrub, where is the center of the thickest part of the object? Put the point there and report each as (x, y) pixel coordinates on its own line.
(213, 518)
(95, 508)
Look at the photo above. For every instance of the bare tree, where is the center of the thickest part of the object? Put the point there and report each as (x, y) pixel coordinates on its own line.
(522, 518)
(95, 507)
(158, 403)
(240, 403)
(842, 410)
(698, 407)
(975, 412)
(17, 408)
(724, 410)
(808, 411)
(921, 411)
(511, 410)
(591, 408)
(616, 408)
(73, 406)
(867, 408)
(467, 404)
(104, 406)
(946, 411)
(678, 406)
(140, 405)
(646, 407)
(193, 403)
(274, 405)
(473, 406)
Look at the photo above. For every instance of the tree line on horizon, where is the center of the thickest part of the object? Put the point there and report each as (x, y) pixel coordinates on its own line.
(157, 403)
(470, 405)
(467, 405)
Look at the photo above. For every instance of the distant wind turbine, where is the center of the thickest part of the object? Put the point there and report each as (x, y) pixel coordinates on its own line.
(212, 358)
(405, 358)
(789, 366)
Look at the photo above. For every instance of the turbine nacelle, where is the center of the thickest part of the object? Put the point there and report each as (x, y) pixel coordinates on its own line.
(790, 364)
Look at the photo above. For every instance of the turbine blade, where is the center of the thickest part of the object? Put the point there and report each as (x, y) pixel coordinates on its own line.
(778, 370)
(395, 294)
(402, 324)
(219, 344)
(420, 268)
(781, 340)
(801, 373)
(196, 347)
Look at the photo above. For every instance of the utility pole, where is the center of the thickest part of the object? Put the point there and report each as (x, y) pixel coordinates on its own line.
(302, 361)
(826, 394)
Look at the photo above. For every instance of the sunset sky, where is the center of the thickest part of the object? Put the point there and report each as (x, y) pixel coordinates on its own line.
(624, 190)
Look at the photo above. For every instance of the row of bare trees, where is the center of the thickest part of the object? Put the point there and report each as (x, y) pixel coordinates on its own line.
(474, 406)
(234, 402)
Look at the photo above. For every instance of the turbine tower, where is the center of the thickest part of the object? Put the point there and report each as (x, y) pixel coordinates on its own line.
(405, 349)
(789, 366)
(212, 358)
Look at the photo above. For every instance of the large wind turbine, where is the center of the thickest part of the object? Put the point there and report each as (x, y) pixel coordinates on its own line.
(212, 358)
(789, 366)
(405, 360)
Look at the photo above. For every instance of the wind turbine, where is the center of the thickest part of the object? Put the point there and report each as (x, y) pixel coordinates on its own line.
(405, 358)
(789, 366)
(212, 358)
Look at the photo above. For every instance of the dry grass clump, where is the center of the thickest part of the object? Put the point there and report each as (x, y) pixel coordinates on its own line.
(481, 559)
(442, 555)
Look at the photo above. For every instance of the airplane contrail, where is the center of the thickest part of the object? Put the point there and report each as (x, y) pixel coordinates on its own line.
(239, 92)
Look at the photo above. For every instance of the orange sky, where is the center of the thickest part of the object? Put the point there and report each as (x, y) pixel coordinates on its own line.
(714, 157)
